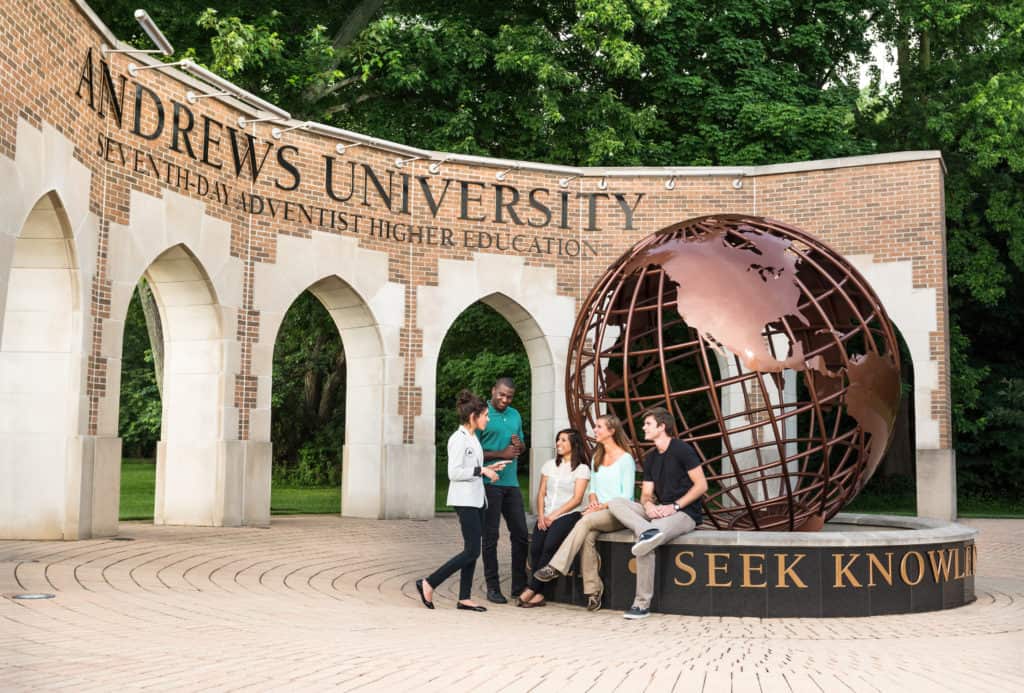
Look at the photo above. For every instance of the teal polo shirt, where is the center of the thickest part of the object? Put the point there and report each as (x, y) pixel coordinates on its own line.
(501, 426)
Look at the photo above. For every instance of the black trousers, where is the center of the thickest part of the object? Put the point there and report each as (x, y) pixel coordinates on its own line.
(544, 544)
(505, 501)
(471, 521)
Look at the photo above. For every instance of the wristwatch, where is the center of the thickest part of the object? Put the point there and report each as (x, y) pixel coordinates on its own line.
(676, 506)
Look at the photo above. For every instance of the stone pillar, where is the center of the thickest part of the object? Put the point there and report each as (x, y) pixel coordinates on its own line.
(936, 484)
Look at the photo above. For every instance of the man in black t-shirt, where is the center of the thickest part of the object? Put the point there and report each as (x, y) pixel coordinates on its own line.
(669, 503)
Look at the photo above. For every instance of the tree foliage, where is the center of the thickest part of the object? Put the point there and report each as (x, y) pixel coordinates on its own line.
(140, 410)
(308, 396)
(652, 82)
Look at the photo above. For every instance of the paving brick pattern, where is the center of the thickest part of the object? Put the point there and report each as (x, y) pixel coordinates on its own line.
(328, 602)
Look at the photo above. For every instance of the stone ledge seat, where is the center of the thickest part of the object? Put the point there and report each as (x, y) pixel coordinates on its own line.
(858, 565)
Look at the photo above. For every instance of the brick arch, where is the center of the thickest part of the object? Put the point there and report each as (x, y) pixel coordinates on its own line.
(41, 381)
(526, 297)
(368, 311)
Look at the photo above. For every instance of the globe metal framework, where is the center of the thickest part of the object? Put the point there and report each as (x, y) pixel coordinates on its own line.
(773, 353)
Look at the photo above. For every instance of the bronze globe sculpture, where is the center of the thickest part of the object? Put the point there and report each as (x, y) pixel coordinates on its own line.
(773, 353)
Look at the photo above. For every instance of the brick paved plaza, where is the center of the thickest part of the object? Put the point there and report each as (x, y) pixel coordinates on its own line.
(324, 602)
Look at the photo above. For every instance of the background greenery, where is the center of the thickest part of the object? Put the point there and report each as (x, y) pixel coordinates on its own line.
(596, 82)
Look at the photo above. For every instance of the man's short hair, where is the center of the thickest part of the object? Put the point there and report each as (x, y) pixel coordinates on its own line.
(506, 381)
(662, 417)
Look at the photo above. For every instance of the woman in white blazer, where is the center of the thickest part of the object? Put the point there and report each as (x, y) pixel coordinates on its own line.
(466, 494)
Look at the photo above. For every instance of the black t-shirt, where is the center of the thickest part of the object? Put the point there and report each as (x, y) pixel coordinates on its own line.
(669, 471)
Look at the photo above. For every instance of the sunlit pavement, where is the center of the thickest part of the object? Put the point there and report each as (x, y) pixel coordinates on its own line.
(320, 602)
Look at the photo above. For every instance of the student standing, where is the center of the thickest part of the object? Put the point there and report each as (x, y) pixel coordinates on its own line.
(669, 503)
(466, 471)
(562, 485)
(614, 476)
(502, 441)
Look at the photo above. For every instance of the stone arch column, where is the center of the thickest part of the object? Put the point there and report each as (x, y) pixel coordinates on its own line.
(368, 310)
(203, 469)
(915, 313)
(525, 296)
(49, 478)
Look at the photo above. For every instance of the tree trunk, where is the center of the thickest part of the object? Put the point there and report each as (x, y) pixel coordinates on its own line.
(156, 331)
(330, 393)
(311, 381)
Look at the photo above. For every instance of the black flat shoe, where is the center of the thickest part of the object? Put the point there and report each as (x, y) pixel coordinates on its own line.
(467, 607)
(419, 588)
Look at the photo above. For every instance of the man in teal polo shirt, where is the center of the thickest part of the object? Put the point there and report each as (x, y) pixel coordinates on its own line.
(503, 440)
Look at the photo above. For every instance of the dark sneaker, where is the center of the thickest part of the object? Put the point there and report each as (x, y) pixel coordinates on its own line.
(647, 541)
(547, 574)
(496, 596)
(636, 613)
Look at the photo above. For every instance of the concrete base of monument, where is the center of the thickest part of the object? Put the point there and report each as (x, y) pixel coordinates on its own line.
(858, 565)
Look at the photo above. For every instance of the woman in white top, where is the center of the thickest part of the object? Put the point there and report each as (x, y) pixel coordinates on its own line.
(563, 482)
(614, 477)
(466, 495)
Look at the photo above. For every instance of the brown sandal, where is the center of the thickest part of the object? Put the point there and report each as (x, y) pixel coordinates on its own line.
(532, 605)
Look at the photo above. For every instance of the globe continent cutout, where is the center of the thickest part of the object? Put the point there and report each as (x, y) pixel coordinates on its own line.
(772, 352)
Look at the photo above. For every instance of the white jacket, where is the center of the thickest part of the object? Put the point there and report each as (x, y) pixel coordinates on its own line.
(465, 458)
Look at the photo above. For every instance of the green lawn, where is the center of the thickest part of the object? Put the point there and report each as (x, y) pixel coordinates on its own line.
(138, 481)
(138, 485)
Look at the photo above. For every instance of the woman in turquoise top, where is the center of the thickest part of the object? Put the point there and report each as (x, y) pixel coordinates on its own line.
(614, 476)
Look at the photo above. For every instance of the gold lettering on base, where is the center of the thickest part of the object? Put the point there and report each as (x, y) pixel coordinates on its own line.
(748, 568)
(904, 575)
(714, 568)
(688, 569)
(885, 571)
(957, 575)
(843, 569)
(788, 571)
(941, 561)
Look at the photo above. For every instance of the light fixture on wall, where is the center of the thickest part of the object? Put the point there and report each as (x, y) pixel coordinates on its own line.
(399, 163)
(670, 184)
(134, 69)
(737, 183)
(224, 85)
(603, 183)
(341, 147)
(192, 97)
(564, 182)
(276, 133)
(244, 122)
(502, 175)
(435, 166)
(152, 31)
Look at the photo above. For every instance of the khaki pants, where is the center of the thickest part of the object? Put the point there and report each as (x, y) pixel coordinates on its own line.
(584, 537)
(632, 515)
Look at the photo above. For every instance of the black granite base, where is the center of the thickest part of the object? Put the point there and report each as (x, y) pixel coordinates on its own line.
(755, 578)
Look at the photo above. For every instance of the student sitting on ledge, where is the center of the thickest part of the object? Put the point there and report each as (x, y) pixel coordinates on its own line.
(674, 478)
(614, 476)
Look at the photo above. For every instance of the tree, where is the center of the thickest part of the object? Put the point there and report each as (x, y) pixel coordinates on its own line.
(307, 401)
(140, 408)
(961, 90)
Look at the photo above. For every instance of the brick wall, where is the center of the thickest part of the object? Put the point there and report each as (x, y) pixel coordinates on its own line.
(891, 210)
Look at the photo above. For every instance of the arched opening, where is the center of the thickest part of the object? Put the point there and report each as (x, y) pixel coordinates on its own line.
(44, 494)
(307, 410)
(491, 338)
(140, 405)
(892, 488)
(352, 425)
(194, 480)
